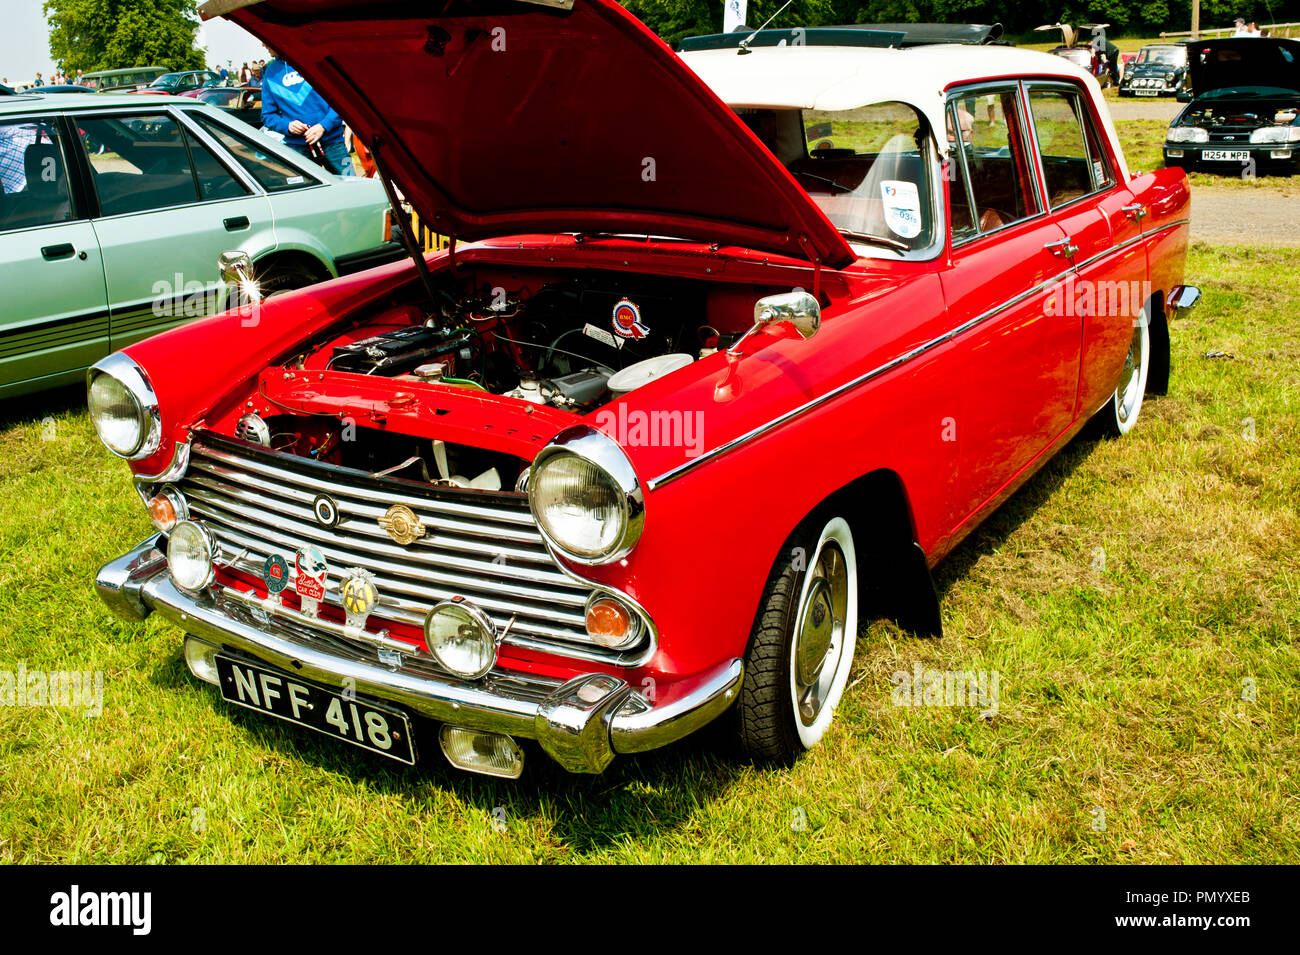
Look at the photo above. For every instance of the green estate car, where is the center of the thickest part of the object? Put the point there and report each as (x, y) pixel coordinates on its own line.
(114, 212)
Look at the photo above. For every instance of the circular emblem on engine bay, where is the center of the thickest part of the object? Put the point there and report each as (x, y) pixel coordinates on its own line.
(627, 320)
(402, 524)
(327, 512)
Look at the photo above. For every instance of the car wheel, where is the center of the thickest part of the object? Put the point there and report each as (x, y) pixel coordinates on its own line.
(801, 648)
(285, 278)
(1119, 414)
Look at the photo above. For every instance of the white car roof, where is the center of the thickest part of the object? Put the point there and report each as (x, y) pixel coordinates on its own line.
(833, 78)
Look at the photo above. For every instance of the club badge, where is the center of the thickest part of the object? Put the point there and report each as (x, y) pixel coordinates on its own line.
(310, 583)
(326, 510)
(402, 524)
(359, 595)
(627, 320)
(275, 574)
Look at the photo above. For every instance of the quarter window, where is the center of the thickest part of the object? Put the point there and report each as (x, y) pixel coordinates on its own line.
(273, 173)
(33, 174)
(1073, 162)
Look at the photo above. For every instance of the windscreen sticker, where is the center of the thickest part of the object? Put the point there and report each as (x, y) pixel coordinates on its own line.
(902, 203)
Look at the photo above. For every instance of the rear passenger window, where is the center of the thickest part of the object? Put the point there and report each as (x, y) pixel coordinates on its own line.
(33, 176)
(138, 163)
(990, 186)
(214, 179)
(1073, 163)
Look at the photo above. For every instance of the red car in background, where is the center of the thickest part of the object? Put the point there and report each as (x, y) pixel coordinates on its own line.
(728, 350)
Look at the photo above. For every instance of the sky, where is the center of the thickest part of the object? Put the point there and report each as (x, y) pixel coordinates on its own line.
(25, 47)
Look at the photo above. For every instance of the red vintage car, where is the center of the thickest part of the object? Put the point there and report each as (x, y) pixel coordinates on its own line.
(728, 350)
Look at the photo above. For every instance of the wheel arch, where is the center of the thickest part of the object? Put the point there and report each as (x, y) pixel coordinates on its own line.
(1159, 362)
(288, 257)
(893, 572)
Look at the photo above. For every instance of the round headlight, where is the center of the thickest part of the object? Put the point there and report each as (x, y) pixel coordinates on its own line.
(117, 416)
(123, 407)
(585, 497)
(461, 637)
(190, 555)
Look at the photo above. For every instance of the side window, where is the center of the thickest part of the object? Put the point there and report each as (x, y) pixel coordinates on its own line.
(1073, 163)
(33, 175)
(138, 163)
(214, 179)
(273, 173)
(990, 184)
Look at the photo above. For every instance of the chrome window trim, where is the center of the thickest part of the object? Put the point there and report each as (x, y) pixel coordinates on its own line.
(238, 172)
(1076, 93)
(674, 473)
(1016, 88)
(293, 159)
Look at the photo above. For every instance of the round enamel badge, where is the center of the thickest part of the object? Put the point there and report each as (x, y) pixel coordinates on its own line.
(627, 320)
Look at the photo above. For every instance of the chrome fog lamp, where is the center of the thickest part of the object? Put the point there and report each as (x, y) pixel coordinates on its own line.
(191, 553)
(493, 754)
(201, 658)
(123, 407)
(461, 637)
(585, 497)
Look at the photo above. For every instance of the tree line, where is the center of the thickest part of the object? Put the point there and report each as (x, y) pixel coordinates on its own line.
(108, 34)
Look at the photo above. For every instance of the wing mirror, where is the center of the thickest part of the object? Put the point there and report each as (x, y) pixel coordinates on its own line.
(1183, 96)
(236, 269)
(799, 309)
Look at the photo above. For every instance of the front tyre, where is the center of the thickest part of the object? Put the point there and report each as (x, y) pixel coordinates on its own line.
(801, 649)
(1119, 414)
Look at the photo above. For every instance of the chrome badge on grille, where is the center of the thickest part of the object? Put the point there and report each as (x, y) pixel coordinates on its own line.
(401, 524)
(359, 595)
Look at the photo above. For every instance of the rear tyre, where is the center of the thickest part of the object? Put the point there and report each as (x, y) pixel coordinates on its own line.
(801, 648)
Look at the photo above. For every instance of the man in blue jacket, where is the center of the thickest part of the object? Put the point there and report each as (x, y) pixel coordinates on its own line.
(291, 107)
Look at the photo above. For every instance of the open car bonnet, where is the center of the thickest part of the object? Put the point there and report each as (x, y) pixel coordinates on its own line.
(1243, 61)
(502, 117)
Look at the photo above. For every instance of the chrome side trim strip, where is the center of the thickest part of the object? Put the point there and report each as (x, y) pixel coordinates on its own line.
(688, 466)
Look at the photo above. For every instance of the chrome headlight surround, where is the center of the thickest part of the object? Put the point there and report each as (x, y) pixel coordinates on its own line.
(132, 378)
(1188, 134)
(604, 454)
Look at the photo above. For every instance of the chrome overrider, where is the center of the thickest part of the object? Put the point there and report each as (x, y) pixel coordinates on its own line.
(581, 723)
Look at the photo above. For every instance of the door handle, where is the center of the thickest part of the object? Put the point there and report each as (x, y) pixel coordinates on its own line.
(1062, 247)
(236, 222)
(1135, 211)
(60, 251)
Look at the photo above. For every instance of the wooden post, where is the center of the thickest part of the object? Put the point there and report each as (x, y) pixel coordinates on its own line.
(1196, 19)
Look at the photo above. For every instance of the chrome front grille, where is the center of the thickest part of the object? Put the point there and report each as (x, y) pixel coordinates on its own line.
(482, 546)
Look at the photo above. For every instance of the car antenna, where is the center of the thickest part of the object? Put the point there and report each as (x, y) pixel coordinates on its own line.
(744, 44)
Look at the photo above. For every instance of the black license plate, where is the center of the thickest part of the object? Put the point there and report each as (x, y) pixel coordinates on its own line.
(357, 721)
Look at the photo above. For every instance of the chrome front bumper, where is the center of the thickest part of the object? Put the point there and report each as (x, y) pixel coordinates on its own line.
(579, 728)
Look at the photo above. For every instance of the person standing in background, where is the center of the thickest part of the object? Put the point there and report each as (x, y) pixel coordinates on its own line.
(291, 107)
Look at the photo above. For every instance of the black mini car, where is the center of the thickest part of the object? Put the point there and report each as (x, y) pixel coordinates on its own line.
(1246, 112)
(1158, 70)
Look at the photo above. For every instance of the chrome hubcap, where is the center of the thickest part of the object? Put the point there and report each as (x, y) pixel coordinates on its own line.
(819, 633)
(1130, 389)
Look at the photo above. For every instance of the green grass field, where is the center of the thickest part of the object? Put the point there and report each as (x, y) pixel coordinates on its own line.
(1139, 600)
